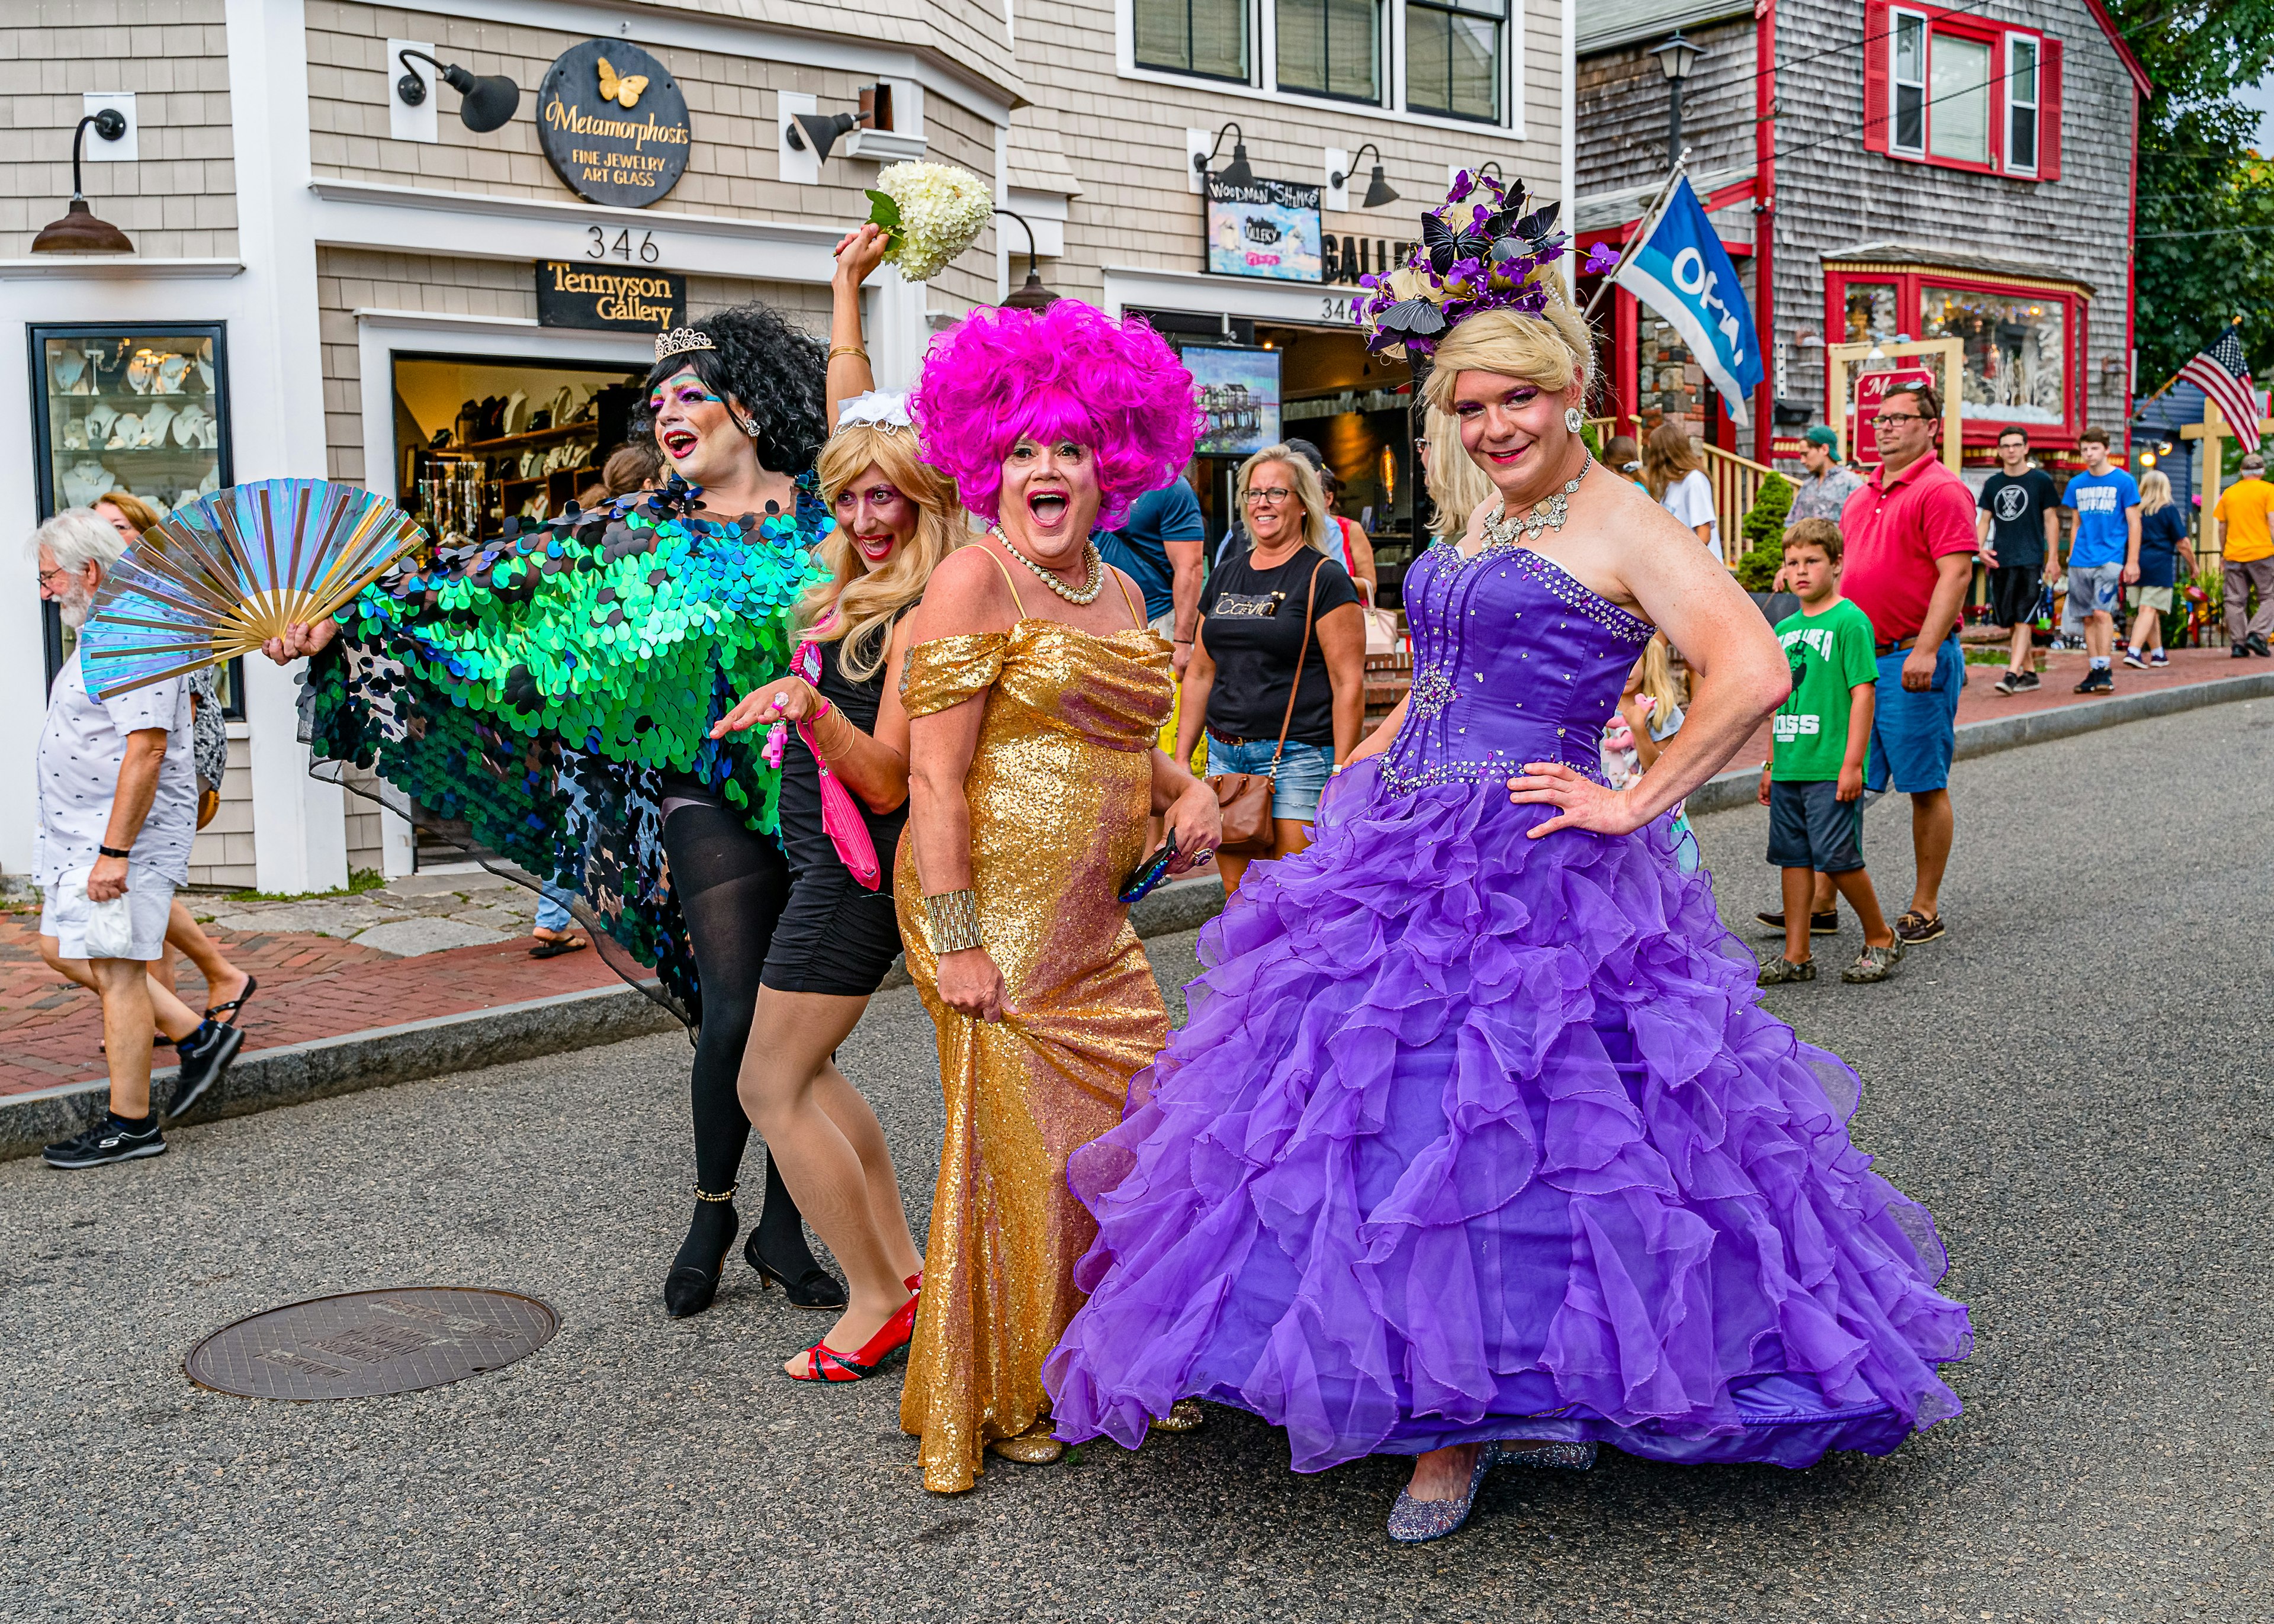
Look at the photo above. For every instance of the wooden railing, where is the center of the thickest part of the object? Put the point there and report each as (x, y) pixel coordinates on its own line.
(1736, 480)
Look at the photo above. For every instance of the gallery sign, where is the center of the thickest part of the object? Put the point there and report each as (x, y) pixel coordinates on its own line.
(570, 295)
(1267, 227)
(612, 123)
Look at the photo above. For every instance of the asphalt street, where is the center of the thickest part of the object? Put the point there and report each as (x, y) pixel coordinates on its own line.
(2075, 1082)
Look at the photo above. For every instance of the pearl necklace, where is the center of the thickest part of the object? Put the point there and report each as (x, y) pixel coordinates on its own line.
(1087, 593)
(1500, 530)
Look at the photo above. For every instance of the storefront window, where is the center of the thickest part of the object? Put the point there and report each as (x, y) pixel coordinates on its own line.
(1871, 312)
(142, 409)
(2015, 370)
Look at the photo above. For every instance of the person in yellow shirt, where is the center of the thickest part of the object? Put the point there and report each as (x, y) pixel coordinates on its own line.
(2243, 526)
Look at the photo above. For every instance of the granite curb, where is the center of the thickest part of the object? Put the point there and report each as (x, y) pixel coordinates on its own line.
(1741, 786)
(463, 1042)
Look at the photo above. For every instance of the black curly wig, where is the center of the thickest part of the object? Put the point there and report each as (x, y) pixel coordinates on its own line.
(774, 371)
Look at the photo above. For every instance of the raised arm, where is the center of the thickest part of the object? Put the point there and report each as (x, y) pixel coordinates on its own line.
(860, 252)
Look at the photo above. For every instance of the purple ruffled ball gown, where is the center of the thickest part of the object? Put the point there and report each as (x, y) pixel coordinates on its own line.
(1471, 1136)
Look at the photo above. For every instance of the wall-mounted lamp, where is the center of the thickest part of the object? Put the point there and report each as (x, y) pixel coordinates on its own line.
(1675, 59)
(78, 231)
(488, 103)
(1233, 174)
(821, 131)
(1031, 295)
(1378, 192)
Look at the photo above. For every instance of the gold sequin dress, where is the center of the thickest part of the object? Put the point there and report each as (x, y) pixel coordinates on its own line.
(1060, 789)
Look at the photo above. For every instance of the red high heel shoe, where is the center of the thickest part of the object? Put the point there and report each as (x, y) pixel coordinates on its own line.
(824, 1362)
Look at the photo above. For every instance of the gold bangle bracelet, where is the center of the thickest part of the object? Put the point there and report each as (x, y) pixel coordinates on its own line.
(852, 350)
(954, 917)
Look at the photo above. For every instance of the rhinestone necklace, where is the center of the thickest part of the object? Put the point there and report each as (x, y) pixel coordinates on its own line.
(1500, 530)
(1086, 593)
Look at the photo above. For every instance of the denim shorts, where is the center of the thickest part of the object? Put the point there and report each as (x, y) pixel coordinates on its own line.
(1304, 770)
(1810, 827)
(1914, 735)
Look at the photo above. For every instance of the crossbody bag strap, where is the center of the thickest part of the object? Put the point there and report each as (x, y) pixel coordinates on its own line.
(1287, 721)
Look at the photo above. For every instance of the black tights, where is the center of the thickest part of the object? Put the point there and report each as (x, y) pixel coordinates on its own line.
(732, 885)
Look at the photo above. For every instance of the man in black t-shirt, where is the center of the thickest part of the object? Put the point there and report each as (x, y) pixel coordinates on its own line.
(2019, 530)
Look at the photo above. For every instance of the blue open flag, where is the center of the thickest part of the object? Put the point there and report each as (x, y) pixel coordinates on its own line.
(1681, 271)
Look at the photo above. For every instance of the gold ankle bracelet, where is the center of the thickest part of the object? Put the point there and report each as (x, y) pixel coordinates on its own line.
(701, 1194)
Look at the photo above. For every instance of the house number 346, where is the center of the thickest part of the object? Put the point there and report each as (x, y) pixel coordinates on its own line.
(624, 248)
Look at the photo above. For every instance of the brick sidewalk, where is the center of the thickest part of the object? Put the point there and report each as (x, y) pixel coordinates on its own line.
(311, 987)
(2061, 673)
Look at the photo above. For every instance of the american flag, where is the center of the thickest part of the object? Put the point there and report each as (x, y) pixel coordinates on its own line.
(2222, 374)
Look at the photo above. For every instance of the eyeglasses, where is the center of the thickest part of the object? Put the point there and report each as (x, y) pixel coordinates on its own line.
(1272, 494)
(59, 570)
(1887, 418)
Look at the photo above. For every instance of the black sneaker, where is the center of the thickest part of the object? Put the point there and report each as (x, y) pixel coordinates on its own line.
(2240, 650)
(1818, 924)
(2024, 681)
(108, 1141)
(2003, 685)
(2099, 680)
(2136, 660)
(206, 1055)
(2256, 644)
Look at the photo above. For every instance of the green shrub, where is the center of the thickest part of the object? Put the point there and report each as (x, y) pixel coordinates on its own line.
(1764, 532)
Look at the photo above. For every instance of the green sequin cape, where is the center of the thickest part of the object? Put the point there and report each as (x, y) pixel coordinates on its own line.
(538, 690)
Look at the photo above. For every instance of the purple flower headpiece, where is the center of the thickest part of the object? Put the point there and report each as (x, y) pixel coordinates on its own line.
(1481, 251)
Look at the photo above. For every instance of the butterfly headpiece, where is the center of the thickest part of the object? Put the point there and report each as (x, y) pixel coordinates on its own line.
(1481, 250)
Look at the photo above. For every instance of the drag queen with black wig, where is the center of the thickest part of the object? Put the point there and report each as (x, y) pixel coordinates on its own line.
(556, 691)
(1478, 1147)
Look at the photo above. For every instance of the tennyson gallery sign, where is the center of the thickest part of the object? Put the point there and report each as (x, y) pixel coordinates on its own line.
(569, 295)
(612, 123)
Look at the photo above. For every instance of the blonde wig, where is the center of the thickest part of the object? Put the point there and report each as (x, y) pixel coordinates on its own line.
(1458, 486)
(1549, 350)
(866, 602)
(1319, 528)
(2155, 490)
(1658, 678)
(1667, 456)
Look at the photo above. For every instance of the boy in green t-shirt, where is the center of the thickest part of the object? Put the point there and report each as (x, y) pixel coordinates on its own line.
(1814, 782)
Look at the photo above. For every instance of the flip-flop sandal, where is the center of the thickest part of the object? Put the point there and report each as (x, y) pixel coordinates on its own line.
(553, 947)
(226, 1014)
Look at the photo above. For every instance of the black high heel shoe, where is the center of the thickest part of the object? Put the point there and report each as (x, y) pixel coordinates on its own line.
(690, 1287)
(814, 1287)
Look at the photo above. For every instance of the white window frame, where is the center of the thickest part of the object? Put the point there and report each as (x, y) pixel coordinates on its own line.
(1263, 71)
(2014, 103)
(1896, 86)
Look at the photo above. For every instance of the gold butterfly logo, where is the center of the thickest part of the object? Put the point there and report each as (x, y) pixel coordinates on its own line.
(625, 89)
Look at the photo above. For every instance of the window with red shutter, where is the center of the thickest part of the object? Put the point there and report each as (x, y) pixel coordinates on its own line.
(2049, 112)
(1876, 46)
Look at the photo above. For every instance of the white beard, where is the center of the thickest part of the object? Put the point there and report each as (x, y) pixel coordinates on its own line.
(74, 605)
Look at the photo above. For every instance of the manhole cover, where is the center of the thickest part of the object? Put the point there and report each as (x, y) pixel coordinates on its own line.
(362, 1344)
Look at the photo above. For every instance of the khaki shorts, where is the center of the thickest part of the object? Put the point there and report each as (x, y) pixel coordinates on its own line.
(2155, 597)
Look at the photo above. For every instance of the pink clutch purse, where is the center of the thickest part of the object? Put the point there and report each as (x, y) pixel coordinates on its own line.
(849, 831)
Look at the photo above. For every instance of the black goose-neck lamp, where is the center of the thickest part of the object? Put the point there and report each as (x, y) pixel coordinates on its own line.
(1233, 174)
(78, 231)
(1378, 191)
(486, 104)
(1031, 295)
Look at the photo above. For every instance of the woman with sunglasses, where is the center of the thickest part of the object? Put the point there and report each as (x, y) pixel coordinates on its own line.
(1278, 667)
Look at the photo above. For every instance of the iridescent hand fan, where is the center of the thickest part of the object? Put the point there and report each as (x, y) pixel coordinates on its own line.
(223, 577)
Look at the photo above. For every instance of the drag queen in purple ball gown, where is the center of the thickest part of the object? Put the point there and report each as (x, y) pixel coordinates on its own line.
(1477, 1145)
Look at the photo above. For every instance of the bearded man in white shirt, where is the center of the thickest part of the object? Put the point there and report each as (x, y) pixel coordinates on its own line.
(118, 798)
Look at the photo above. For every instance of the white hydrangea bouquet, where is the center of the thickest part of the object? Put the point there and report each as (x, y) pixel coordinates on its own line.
(931, 212)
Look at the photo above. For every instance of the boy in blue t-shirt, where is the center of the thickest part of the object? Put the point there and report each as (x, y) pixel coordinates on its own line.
(1813, 781)
(2103, 555)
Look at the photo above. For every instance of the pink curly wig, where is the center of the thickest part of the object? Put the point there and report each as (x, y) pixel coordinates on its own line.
(1069, 372)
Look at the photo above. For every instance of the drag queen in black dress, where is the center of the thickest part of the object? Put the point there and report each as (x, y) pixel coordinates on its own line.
(1478, 1147)
(553, 691)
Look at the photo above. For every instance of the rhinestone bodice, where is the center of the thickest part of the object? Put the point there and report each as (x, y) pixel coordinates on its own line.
(1514, 661)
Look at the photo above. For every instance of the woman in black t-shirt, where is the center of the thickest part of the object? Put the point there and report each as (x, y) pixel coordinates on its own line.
(1243, 668)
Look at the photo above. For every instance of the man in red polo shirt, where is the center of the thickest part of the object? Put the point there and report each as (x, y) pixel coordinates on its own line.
(1909, 534)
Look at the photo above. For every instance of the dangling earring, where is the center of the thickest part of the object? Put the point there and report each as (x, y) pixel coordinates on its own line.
(749, 425)
(1572, 420)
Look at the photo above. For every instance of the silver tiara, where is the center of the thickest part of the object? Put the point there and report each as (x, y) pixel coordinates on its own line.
(680, 340)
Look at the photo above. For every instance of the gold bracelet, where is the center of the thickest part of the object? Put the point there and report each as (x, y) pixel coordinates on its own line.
(954, 920)
(852, 350)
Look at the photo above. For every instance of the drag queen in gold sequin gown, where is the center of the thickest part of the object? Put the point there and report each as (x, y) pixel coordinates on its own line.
(1034, 692)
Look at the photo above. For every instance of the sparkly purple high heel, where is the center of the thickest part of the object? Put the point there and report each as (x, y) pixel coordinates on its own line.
(1417, 1521)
